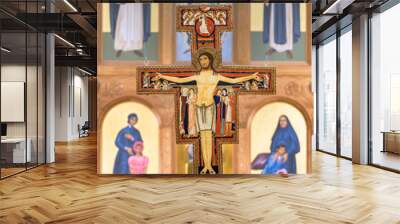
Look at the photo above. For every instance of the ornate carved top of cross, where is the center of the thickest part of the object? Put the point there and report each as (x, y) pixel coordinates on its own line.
(206, 93)
(205, 24)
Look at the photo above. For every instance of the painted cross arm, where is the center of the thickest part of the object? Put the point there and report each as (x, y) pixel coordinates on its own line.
(246, 79)
(163, 79)
(256, 80)
(240, 79)
(174, 79)
(183, 78)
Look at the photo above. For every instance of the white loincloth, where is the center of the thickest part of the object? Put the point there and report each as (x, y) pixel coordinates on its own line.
(205, 117)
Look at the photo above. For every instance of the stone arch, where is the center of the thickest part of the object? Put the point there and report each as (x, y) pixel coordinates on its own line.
(114, 118)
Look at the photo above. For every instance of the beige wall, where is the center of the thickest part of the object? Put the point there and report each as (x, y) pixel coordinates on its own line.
(71, 102)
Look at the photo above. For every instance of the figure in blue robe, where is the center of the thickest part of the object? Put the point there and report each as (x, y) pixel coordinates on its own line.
(224, 94)
(146, 21)
(114, 8)
(185, 114)
(278, 35)
(123, 142)
(286, 137)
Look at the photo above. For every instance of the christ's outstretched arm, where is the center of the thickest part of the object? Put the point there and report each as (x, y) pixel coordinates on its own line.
(240, 79)
(174, 79)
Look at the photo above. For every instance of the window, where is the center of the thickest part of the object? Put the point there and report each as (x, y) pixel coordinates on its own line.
(346, 93)
(334, 94)
(327, 96)
(22, 76)
(385, 89)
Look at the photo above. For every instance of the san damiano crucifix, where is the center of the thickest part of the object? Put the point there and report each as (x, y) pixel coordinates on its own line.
(206, 93)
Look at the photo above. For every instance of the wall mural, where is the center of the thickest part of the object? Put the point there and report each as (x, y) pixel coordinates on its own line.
(278, 140)
(183, 39)
(211, 105)
(130, 31)
(278, 31)
(206, 93)
(283, 149)
(130, 140)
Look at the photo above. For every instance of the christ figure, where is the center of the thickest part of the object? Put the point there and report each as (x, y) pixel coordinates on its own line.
(207, 80)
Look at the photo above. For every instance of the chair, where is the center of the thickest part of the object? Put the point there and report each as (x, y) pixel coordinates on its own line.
(84, 130)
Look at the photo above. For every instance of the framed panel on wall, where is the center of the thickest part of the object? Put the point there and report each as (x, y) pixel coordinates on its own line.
(12, 98)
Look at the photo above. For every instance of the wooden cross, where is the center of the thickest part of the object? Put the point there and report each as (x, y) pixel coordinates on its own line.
(206, 93)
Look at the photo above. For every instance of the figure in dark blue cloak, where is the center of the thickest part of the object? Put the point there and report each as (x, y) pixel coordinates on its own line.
(146, 12)
(281, 27)
(284, 143)
(124, 141)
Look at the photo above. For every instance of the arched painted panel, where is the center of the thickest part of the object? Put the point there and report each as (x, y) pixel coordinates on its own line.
(115, 120)
(264, 125)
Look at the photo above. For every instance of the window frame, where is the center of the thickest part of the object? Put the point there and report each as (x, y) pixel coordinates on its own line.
(334, 37)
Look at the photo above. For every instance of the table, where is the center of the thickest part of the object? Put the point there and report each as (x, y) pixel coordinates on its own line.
(13, 150)
(391, 141)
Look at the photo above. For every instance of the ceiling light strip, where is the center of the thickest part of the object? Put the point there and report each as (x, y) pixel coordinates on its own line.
(70, 5)
(84, 71)
(64, 40)
(5, 50)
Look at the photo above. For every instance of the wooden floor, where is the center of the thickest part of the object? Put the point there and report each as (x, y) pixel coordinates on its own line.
(5, 172)
(69, 191)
